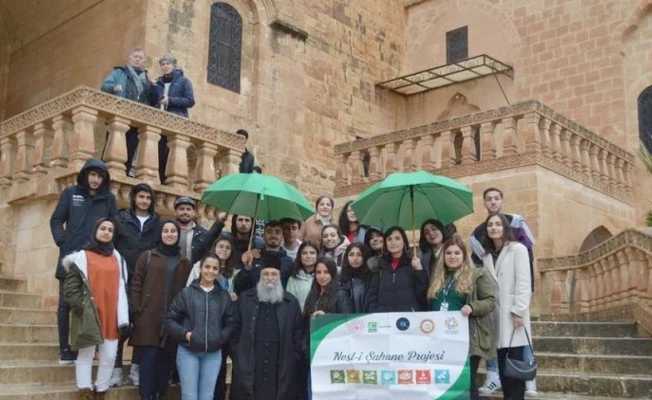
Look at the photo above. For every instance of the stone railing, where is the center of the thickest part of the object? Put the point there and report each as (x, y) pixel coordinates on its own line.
(43, 148)
(616, 273)
(523, 134)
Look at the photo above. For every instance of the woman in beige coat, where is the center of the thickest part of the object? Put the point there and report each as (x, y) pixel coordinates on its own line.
(311, 228)
(509, 261)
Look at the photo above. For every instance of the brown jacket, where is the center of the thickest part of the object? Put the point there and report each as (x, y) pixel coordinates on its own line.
(149, 298)
(311, 230)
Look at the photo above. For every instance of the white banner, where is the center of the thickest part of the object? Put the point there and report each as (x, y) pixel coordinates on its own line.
(390, 356)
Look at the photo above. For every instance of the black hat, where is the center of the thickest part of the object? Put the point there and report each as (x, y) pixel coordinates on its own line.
(184, 200)
(270, 259)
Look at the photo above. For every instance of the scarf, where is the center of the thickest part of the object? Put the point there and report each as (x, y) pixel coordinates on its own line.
(138, 77)
(105, 249)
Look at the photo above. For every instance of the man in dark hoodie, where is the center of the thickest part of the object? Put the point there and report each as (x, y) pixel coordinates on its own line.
(72, 223)
(131, 82)
(139, 229)
(172, 92)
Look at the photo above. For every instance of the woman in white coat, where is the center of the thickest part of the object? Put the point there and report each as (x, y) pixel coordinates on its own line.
(509, 261)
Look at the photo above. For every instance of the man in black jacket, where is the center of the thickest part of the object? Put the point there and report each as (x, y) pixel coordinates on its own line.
(138, 230)
(194, 240)
(247, 161)
(72, 223)
(268, 339)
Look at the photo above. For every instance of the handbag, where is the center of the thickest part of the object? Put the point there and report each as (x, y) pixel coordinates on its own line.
(520, 369)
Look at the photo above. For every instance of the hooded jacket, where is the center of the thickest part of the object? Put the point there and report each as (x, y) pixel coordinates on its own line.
(180, 94)
(208, 315)
(84, 320)
(74, 217)
(131, 241)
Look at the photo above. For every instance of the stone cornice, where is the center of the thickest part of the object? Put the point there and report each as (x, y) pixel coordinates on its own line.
(138, 114)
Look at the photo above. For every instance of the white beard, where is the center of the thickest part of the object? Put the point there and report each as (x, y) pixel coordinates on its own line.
(268, 294)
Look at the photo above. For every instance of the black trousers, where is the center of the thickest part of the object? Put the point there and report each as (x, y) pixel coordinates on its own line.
(132, 145)
(513, 389)
(155, 370)
(63, 321)
(475, 363)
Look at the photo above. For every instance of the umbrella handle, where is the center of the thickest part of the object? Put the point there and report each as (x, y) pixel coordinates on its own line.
(414, 234)
(253, 224)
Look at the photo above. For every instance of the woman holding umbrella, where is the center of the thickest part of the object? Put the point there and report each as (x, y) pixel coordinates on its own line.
(400, 283)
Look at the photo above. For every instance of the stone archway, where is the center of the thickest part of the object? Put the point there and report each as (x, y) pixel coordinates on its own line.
(597, 236)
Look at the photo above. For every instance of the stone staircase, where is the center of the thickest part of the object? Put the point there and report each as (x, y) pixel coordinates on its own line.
(578, 360)
(592, 360)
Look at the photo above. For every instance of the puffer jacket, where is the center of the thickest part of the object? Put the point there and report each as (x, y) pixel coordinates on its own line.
(397, 291)
(180, 95)
(208, 315)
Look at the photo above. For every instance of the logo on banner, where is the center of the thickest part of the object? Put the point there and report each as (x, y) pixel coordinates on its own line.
(388, 377)
(442, 376)
(372, 327)
(403, 324)
(427, 326)
(370, 377)
(353, 376)
(405, 376)
(337, 376)
(355, 326)
(424, 377)
(451, 326)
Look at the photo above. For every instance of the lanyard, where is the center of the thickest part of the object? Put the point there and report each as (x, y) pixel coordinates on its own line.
(447, 288)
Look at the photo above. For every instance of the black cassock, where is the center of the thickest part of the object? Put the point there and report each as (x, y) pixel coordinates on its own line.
(267, 344)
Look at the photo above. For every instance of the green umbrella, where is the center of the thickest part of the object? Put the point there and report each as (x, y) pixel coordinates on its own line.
(409, 199)
(257, 196)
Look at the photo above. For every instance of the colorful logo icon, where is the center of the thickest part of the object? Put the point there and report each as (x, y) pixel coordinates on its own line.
(372, 327)
(355, 326)
(388, 377)
(427, 326)
(405, 376)
(402, 324)
(337, 376)
(353, 376)
(370, 377)
(442, 376)
(424, 377)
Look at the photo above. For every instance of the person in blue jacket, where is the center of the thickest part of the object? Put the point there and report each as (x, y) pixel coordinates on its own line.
(72, 223)
(172, 92)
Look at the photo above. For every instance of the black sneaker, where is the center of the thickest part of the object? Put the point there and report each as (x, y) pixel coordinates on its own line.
(67, 357)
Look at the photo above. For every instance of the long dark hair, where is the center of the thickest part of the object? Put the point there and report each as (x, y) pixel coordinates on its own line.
(343, 221)
(315, 299)
(367, 239)
(298, 265)
(508, 233)
(405, 256)
(232, 262)
(423, 242)
(347, 270)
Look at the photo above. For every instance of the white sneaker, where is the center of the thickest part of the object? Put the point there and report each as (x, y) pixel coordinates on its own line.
(116, 377)
(134, 374)
(491, 384)
(531, 388)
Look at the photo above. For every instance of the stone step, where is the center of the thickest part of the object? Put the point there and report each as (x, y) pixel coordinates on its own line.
(594, 345)
(15, 315)
(9, 283)
(29, 351)
(559, 396)
(19, 299)
(32, 372)
(587, 329)
(592, 384)
(27, 333)
(602, 363)
(69, 392)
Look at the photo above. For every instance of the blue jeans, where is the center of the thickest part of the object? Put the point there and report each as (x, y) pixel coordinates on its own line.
(198, 373)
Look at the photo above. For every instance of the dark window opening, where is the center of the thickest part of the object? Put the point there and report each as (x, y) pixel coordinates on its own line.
(645, 118)
(225, 47)
(457, 45)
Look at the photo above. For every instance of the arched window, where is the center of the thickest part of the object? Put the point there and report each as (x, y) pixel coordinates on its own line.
(225, 47)
(645, 118)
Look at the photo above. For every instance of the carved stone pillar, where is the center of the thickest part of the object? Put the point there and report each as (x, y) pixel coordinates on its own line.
(576, 156)
(62, 129)
(447, 153)
(375, 163)
(555, 142)
(468, 145)
(177, 167)
(564, 138)
(530, 132)
(487, 141)
(620, 176)
(342, 170)
(391, 160)
(116, 146)
(24, 148)
(7, 160)
(510, 144)
(232, 161)
(595, 167)
(82, 145)
(42, 138)
(602, 163)
(411, 160)
(627, 169)
(611, 170)
(147, 162)
(586, 158)
(206, 166)
(546, 143)
(357, 169)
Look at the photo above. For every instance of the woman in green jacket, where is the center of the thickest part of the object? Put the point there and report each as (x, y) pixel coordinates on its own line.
(457, 286)
(94, 288)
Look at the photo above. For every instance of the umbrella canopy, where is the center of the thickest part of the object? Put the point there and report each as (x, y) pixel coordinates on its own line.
(257, 196)
(409, 199)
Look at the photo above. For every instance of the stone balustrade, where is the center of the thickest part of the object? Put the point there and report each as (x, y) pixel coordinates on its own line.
(527, 133)
(43, 148)
(615, 274)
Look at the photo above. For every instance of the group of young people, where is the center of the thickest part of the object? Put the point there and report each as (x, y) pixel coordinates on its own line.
(186, 298)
